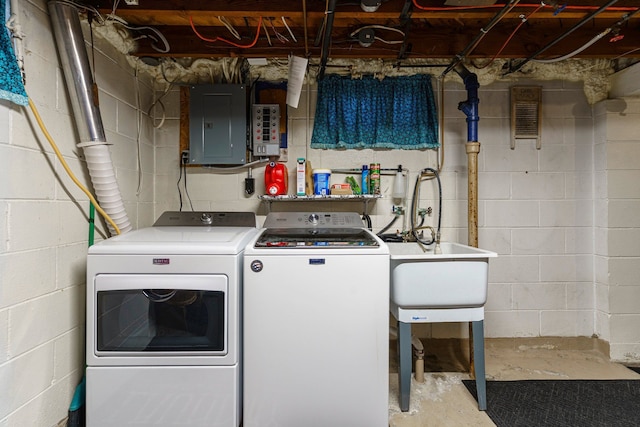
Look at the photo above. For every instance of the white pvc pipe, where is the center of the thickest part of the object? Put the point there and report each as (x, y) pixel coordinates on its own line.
(82, 91)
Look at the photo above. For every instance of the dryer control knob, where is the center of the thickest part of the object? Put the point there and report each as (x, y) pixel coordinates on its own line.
(313, 218)
(206, 218)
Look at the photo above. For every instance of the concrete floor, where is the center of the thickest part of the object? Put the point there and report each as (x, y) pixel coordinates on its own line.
(442, 400)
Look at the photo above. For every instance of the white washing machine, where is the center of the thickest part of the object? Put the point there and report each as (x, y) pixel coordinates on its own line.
(316, 323)
(163, 322)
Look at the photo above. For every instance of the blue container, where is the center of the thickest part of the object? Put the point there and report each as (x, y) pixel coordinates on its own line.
(321, 185)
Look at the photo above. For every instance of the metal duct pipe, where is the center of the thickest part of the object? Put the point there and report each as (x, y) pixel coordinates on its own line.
(84, 102)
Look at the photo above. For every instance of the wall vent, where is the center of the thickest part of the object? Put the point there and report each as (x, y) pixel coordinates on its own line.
(526, 109)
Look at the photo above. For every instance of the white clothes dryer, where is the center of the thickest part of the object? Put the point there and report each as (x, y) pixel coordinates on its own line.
(316, 323)
(163, 322)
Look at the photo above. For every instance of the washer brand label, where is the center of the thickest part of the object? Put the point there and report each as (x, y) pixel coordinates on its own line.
(419, 318)
(161, 261)
(256, 266)
(316, 261)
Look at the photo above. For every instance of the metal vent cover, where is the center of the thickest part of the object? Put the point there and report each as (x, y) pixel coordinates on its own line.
(526, 109)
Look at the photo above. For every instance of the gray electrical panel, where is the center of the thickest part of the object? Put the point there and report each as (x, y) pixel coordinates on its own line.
(218, 124)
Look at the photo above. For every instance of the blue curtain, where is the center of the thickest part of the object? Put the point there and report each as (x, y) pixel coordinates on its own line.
(11, 87)
(396, 112)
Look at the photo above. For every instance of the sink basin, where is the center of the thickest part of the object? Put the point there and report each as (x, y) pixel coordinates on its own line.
(455, 278)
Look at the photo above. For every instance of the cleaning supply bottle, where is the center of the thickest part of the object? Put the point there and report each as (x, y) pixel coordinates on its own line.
(365, 179)
(398, 185)
(275, 179)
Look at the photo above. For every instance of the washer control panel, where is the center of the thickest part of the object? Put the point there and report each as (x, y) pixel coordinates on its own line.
(313, 220)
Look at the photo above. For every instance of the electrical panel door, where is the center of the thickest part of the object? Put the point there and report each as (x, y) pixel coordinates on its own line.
(218, 124)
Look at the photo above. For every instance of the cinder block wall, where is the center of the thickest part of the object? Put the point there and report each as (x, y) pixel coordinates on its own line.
(43, 221)
(535, 210)
(617, 226)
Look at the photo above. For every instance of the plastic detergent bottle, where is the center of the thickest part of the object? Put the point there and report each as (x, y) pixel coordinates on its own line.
(275, 179)
(365, 179)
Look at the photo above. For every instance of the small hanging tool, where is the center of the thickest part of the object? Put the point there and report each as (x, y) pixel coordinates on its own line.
(249, 184)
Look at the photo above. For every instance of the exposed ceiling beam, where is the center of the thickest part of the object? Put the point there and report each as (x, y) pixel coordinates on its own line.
(441, 32)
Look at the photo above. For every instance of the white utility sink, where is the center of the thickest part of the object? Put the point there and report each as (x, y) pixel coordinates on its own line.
(455, 278)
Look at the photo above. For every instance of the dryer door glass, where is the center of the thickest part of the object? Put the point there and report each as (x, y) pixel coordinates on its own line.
(160, 320)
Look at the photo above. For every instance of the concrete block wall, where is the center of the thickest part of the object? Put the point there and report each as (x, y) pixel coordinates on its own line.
(538, 216)
(617, 228)
(43, 221)
(535, 210)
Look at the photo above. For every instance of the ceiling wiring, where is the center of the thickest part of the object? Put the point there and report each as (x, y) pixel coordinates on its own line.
(306, 31)
(116, 3)
(250, 45)
(227, 24)
(266, 33)
(155, 33)
(159, 102)
(138, 131)
(146, 31)
(528, 5)
(380, 27)
(520, 64)
(523, 19)
(483, 32)
(284, 21)
(585, 46)
(575, 52)
(279, 36)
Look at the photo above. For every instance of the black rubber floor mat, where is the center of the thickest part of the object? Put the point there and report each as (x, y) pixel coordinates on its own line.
(562, 403)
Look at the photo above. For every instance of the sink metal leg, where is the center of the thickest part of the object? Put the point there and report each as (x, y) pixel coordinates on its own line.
(404, 365)
(478, 352)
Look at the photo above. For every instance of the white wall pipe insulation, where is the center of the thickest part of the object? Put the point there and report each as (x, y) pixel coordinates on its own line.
(84, 102)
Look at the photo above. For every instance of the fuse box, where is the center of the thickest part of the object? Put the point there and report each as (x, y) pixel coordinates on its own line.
(218, 124)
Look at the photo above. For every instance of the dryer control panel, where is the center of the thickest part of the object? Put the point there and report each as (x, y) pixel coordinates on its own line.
(206, 219)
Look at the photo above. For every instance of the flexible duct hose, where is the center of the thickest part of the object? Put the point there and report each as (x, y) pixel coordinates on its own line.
(105, 185)
(82, 93)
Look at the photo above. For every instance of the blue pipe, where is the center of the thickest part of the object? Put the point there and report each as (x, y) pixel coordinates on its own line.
(470, 106)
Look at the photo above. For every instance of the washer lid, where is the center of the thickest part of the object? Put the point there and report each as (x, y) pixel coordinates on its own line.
(178, 240)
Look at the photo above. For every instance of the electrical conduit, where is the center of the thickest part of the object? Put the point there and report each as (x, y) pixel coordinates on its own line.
(83, 95)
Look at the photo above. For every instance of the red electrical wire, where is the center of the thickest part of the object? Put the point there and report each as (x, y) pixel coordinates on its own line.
(252, 44)
(529, 5)
(513, 33)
